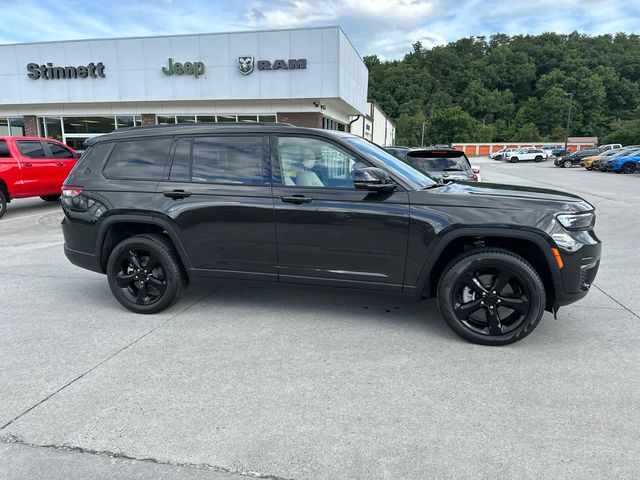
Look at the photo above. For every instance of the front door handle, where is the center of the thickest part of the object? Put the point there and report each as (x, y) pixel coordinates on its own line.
(296, 199)
(28, 165)
(59, 164)
(177, 194)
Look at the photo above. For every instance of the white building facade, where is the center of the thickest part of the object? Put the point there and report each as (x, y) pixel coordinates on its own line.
(77, 89)
(375, 126)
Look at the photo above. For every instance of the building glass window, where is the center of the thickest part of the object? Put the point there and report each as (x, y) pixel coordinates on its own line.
(165, 119)
(125, 121)
(4, 127)
(226, 118)
(53, 127)
(267, 118)
(206, 118)
(247, 118)
(185, 119)
(16, 125)
(88, 124)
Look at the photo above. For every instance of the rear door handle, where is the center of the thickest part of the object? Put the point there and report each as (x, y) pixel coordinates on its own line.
(177, 194)
(59, 164)
(296, 199)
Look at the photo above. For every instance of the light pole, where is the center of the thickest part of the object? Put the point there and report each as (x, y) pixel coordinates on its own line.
(566, 136)
(422, 141)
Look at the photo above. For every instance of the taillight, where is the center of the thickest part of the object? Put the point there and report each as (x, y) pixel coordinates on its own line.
(475, 170)
(71, 192)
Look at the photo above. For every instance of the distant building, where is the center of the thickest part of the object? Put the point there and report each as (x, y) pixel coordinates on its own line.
(375, 126)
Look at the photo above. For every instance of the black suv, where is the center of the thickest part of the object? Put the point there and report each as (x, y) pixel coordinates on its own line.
(575, 158)
(157, 207)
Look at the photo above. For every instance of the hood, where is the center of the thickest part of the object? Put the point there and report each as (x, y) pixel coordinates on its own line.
(493, 195)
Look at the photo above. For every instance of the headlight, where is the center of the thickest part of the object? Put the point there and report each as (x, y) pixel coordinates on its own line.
(576, 221)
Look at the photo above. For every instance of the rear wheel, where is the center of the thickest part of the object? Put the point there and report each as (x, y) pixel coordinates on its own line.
(513, 159)
(567, 164)
(3, 203)
(538, 159)
(628, 168)
(50, 198)
(491, 297)
(145, 273)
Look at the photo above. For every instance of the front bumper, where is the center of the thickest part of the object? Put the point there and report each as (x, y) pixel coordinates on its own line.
(579, 271)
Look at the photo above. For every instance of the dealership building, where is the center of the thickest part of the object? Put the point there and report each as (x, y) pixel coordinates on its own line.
(72, 90)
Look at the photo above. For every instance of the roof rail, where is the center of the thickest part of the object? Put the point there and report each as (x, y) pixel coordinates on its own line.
(204, 125)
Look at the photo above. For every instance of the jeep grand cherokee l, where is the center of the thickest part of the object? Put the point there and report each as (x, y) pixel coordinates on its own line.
(156, 207)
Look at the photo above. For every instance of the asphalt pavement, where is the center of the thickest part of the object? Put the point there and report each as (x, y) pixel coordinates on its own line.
(290, 383)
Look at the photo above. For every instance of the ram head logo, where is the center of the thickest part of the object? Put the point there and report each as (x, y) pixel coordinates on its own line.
(245, 65)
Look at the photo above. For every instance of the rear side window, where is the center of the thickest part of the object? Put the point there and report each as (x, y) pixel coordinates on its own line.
(4, 149)
(440, 164)
(31, 149)
(138, 159)
(237, 160)
(58, 151)
(93, 159)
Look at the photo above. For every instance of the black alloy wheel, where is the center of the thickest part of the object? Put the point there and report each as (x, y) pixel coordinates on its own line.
(50, 198)
(567, 164)
(144, 273)
(3, 203)
(628, 168)
(491, 297)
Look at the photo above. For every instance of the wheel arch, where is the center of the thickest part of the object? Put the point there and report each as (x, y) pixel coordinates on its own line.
(5, 189)
(116, 228)
(533, 247)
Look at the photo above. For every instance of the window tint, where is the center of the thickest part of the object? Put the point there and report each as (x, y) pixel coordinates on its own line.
(31, 149)
(228, 160)
(93, 159)
(4, 149)
(181, 166)
(138, 159)
(310, 162)
(58, 151)
(439, 164)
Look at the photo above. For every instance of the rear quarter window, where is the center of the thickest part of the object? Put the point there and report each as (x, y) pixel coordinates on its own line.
(31, 149)
(138, 159)
(92, 160)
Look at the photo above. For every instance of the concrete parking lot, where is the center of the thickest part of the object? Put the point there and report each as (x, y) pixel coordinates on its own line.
(307, 384)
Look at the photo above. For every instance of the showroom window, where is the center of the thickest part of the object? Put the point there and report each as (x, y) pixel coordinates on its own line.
(331, 124)
(12, 126)
(74, 130)
(227, 117)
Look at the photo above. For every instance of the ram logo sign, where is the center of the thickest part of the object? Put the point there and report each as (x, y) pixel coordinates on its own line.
(246, 64)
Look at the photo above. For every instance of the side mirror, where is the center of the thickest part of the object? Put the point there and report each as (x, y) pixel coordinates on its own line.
(77, 154)
(371, 178)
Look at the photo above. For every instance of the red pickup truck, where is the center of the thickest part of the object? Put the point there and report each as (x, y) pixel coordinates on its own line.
(33, 167)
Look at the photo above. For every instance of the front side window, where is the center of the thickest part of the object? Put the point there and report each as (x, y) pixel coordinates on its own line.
(31, 149)
(235, 160)
(138, 159)
(58, 151)
(309, 162)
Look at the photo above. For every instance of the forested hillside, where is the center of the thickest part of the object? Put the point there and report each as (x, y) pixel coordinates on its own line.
(513, 88)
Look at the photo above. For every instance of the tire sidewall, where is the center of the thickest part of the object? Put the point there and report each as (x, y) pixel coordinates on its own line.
(3, 203)
(172, 275)
(520, 267)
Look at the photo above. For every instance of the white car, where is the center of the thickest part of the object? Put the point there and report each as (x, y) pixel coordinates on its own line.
(526, 155)
(502, 153)
(548, 149)
(609, 146)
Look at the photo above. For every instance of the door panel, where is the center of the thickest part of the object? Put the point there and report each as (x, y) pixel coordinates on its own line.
(327, 231)
(63, 160)
(38, 172)
(226, 228)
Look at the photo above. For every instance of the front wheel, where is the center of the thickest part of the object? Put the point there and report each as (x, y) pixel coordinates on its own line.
(491, 297)
(3, 203)
(513, 159)
(567, 164)
(538, 159)
(50, 198)
(628, 168)
(145, 274)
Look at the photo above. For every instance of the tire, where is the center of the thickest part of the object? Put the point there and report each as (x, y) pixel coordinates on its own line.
(498, 157)
(522, 287)
(589, 168)
(50, 198)
(513, 159)
(3, 202)
(567, 164)
(165, 279)
(538, 159)
(628, 168)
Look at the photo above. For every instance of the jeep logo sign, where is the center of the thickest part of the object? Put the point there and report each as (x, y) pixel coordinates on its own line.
(187, 68)
(245, 64)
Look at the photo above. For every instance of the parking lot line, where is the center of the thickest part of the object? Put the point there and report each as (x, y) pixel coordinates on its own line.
(25, 216)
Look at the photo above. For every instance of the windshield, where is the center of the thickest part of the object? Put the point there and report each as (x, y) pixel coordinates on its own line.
(418, 179)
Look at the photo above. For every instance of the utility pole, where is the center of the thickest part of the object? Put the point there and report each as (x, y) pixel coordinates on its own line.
(422, 141)
(566, 136)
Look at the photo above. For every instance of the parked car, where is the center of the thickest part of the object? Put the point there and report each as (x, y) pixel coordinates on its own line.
(526, 155)
(549, 149)
(601, 163)
(587, 162)
(33, 167)
(277, 203)
(442, 163)
(575, 158)
(609, 146)
(560, 152)
(627, 162)
(503, 153)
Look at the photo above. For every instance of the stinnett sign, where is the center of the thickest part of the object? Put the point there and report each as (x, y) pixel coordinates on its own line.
(48, 72)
